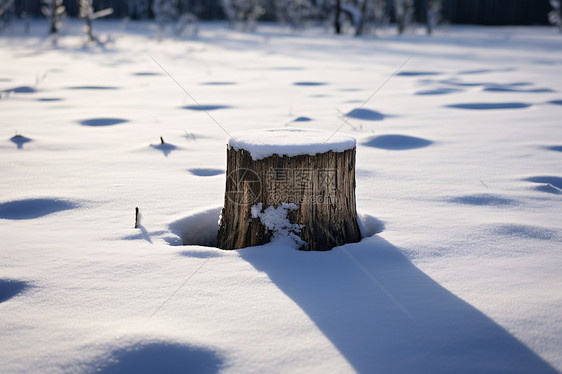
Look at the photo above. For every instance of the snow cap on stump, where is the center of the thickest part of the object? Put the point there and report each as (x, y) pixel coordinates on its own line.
(290, 185)
(289, 142)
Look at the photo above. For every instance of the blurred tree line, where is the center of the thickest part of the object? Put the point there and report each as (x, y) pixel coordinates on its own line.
(483, 12)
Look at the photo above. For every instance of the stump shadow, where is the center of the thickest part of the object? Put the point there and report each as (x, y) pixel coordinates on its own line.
(160, 357)
(421, 328)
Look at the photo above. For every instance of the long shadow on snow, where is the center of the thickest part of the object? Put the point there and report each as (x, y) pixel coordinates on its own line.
(443, 335)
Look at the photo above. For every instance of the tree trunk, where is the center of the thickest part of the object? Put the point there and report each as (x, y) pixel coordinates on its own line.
(337, 22)
(359, 30)
(321, 186)
(54, 17)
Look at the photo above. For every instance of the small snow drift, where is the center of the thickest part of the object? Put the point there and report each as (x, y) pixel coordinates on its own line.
(102, 122)
(309, 84)
(555, 181)
(206, 107)
(438, 91)
(302, 119)
(10, 288)
(489, 106)
(417, 73)
(20, 140)
(548, 184)
(201, 253)
(556, 148)
(369, 225)
(49, 99)
(365, 114)
(203, 172)
(219, 83)
(92, 88)
(198, 228)
(548, 188)
(510, 89)
(21, 89)
(34, 208)
(160, 357)
(146, 74)
(483, 199)
(523, 231)
(397, 142)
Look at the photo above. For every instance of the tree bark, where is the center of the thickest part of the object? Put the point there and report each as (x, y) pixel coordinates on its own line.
(321, 186)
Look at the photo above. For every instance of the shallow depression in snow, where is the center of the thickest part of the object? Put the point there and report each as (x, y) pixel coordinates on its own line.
(202, 227)
(159, 357)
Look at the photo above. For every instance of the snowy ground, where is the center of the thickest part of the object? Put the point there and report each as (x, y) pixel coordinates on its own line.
(459, 155)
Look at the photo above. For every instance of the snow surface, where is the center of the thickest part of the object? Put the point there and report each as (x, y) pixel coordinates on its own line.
(289, 142)
(464, 278)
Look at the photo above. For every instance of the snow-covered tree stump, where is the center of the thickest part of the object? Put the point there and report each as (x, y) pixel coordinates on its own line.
(289, 184)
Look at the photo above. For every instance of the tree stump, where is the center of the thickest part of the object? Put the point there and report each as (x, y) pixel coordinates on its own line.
(289, 183)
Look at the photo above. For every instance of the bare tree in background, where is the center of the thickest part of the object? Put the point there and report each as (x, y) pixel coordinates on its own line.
(165, 11)
(294, 12)
(5, 6)
(373, 15)
(433, 11)
(555, 15)
(177, 15)
(54, 10)
(245, 11)
(138, 8)
(404, 12)
(86, 12)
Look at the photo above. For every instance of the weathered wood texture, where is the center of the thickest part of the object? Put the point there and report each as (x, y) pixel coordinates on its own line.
(322, 186)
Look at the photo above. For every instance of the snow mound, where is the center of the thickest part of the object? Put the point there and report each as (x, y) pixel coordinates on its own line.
(289, 142)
